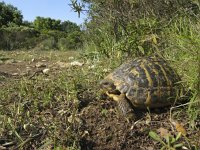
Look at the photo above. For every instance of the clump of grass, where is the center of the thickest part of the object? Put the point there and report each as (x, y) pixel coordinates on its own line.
(42, 107)
(184, 38)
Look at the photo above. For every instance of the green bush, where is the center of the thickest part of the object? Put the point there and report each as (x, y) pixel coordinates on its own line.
(17, 37)
(54, 33)
(49, 43)
(61, 40)
(74, 40)
(63, 44)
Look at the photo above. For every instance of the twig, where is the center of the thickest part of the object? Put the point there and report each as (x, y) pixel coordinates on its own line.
(8, 144)
(178, 107)
(28, 140)
(35, 73)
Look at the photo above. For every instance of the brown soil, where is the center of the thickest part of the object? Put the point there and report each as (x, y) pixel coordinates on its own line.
(104, 128)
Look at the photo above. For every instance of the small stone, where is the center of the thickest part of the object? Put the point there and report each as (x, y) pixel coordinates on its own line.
(33, 60)
(91, 67)
(150, 148)
(76, 63)
(40, 65)
(46, 71)
(15, 74)
(71, 58)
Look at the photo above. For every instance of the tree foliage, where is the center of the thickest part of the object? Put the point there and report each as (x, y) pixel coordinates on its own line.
(9, 15)
(43, 23)
(61, 35)
(135, 26)
(69, 27)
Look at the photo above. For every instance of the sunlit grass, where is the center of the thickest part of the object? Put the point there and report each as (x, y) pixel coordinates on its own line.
(51, 55)
(184, 53)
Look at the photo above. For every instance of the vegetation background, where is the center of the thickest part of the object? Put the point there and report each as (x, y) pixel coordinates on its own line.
(47, 33)
(115, 30)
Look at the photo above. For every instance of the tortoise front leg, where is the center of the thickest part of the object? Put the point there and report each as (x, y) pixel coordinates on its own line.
(124, 106)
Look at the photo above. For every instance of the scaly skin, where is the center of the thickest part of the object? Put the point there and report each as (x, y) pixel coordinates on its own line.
(124, 106)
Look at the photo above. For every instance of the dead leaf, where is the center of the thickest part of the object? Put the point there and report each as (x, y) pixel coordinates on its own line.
(150, 148)
(163, 132)
(148, 119)
(179, 128)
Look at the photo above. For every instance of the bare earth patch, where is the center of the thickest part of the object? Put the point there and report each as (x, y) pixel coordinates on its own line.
(104, 128)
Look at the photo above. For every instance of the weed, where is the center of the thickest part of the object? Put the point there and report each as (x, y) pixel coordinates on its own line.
(183, 37)
(169, 142)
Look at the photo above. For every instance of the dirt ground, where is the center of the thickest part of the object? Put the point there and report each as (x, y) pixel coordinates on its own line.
(110, 130)
(103, 127)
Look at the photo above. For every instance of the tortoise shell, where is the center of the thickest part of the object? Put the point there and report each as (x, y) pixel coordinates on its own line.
(146, 82)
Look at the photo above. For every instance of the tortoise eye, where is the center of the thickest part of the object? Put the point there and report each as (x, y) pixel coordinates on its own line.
(106, 83)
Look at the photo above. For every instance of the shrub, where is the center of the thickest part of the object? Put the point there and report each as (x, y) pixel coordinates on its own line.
(49, 43)
(63, 44)
(17, 37)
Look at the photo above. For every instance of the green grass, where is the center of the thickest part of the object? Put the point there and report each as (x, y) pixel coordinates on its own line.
(47, 104)
(184, 54)
(31, 107)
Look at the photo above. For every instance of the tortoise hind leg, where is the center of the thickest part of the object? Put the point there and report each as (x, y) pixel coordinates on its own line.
(124, 106)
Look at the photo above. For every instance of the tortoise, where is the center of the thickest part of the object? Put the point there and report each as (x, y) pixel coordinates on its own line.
(145, 82)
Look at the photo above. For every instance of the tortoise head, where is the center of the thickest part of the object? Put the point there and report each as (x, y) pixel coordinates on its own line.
(107, 85)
